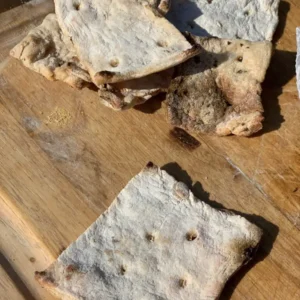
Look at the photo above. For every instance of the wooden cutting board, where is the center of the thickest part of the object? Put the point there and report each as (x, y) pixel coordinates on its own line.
(64, 157)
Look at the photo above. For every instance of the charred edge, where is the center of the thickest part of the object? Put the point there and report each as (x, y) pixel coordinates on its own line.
(150, 165)
(249, 253)
(184, 138)
(154, 10)
(190, 38)
(45, 278)
(164, 7)
(105, 75)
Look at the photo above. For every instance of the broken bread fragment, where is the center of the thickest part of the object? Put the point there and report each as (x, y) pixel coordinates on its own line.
(122, 39)
(47, 51)
(155, 241)
(298, 59)
(126, 94)
(253, 20)
(219, 90)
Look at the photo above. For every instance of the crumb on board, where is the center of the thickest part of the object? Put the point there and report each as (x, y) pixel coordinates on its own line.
(59, 117)
(184, 138)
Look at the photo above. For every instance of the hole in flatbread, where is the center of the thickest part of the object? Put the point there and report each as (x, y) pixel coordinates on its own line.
(162, 44)
(228, 43)
(123, 270)
(240, 59)
(241, 45)
(243, 124)
(192, 235)
(114, 62)
(182, 283)
(150, 237)
(77, 6)
(246, 13)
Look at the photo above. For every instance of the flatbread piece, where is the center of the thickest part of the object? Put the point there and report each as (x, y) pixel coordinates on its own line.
(156, 241)
(47, 51)
(119, 40)
(126, 94)
(254, 20)
(219, 90)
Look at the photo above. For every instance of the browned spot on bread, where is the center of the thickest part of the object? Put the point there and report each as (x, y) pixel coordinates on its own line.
(182, 283)
(191, 235)
(71, 268)
(32, 259)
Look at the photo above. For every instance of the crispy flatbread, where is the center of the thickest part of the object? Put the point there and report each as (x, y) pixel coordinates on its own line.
(156, 241)
(119, 40)
(47, 51)
(254, 20)
(298, 60)
(219, 90)
(126, 94)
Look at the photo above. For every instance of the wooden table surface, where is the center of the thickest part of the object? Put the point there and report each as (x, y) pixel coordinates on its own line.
(64, 157)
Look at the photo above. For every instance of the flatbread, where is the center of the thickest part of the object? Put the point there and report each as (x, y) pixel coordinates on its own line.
(156, 241)
(47, 51)
(298, 60)
(219, 90)
(254, 20)
(119, 40)
(126, 94)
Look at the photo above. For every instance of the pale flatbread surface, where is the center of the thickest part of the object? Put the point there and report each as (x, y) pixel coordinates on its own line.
(47, 51)
(126, 94)
(254, 20)
(156, 241)
(119, 40)
(298, 59)
(219, 90)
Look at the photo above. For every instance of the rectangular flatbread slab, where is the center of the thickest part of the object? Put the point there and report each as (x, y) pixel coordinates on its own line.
(298, 59)
(254, 20)
(155, 241)
(47, 51)
(219, 90)
(119, 40)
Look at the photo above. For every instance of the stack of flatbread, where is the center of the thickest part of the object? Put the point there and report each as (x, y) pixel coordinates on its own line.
(132, 50)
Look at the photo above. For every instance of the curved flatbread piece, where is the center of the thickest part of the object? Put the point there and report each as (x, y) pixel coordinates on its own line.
(219, 90)
(126, 94)
(254, 20)
(119, 40)
(47, 51)
(298, 59)
(156, 241)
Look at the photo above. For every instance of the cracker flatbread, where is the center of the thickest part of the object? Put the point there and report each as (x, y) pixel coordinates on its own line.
(126, 94)
(254, 20)
(298, 59)
(47, 51)
(219, 90)
(156, 241)
(118, 40)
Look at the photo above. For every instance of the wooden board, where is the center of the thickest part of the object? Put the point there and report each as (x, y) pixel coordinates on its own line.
(64, 157)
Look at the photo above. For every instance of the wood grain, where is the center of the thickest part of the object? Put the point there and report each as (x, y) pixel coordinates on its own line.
(57, 177)
(7, 287)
